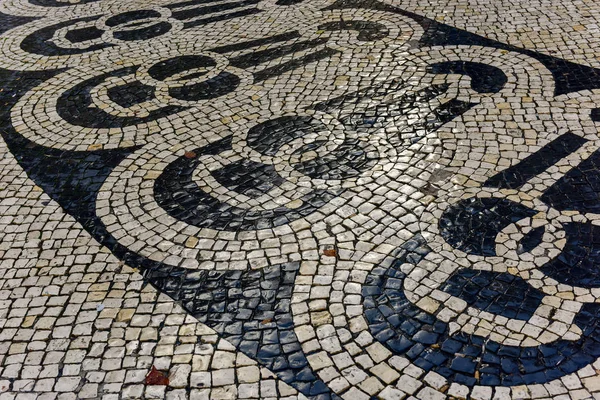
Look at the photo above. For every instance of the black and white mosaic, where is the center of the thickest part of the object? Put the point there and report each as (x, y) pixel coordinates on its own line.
(362, 200)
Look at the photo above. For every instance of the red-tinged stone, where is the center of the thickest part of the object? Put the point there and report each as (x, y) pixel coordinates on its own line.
(155, 377)
(330, 252)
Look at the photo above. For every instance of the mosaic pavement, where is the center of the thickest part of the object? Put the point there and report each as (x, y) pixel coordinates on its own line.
(299, 199)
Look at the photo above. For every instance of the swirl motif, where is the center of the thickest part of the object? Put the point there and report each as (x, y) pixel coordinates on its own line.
(338, 200)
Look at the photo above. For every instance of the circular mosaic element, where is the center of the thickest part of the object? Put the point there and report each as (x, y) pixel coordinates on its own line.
(366, 202)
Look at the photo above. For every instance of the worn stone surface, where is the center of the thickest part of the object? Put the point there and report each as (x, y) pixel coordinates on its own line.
(298, 199)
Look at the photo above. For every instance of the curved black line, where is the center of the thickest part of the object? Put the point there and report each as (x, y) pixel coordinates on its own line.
(407, 330)
(73, 179)
(181, 198)
(39, 42)
(75, 105)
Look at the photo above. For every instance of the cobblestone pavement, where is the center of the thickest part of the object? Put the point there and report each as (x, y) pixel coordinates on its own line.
(322, 199)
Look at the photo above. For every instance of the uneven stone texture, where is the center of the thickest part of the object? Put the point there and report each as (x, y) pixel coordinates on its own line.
(324, 199)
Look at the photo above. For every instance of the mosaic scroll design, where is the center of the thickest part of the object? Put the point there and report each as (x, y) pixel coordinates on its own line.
(251, 308)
